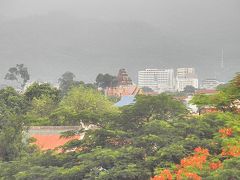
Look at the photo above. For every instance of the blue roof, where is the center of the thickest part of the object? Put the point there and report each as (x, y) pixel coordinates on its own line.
(126, 100)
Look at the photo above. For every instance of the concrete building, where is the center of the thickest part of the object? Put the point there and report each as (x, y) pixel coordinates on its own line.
(210, 84)
(159, 80)
(186, 77)
(182, 83)
(185, 72)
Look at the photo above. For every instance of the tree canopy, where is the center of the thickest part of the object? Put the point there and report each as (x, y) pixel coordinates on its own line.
(106, 80)
(224, 100)
(84, 105)
(19, 74)
(37, 90)
(154, 138)
(66, 82)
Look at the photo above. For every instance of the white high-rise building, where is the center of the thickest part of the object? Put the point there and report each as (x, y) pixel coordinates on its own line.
(159, 80)
(186, 77)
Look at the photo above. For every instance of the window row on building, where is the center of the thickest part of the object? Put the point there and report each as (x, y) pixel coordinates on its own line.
(161, 80)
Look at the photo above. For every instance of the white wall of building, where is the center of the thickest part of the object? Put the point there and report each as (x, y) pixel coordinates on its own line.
(183, 82)
(210, 84)
(159, 80)
(186, 77)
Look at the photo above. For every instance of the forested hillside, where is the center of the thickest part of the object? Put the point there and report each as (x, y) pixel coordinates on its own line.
(88, 46)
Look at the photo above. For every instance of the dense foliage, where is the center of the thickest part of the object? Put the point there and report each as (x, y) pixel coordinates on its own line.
(12, 106)
(154, 138)
(106, 80)
(225, 100)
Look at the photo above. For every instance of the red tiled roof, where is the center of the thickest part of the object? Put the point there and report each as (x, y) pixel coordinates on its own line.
(122, 91)
(52, 141)
(206, 91)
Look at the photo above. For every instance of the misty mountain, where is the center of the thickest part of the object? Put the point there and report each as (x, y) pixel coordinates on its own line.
(54, 43)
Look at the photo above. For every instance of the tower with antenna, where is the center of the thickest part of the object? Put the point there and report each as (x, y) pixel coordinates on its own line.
(222, 60)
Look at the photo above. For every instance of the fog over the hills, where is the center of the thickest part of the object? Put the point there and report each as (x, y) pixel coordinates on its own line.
(92, 36)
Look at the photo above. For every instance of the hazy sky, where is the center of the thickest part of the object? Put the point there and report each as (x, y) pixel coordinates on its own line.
(154, 11)
(205, 25)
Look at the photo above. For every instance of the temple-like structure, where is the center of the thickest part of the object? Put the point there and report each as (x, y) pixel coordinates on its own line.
(123, 78)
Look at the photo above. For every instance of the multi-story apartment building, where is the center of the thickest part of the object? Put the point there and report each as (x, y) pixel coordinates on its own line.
(186, 77)
(185, 72)
(159, 80)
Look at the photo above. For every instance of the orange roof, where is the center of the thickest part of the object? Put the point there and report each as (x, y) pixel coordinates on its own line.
(122, 91)
(50, 142)
(206, 91)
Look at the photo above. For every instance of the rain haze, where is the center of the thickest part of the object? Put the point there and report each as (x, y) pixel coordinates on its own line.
(88, 37)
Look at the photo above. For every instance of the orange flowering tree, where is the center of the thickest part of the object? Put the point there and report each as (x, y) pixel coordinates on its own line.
(202, 164)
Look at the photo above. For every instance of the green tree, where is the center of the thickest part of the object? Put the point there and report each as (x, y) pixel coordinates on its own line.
(40, 111)
(236, 80)
(201, 100)
(85, 105)
(13, 101)
(128, 146)
(19, 74)
(66, 82)
(106, 80)
(230, 170)
(143, 138)
(147, 89)
(12, 108)
(189, 89)
(37, 90)
(147, 108)
(224, 100)
(11, 128)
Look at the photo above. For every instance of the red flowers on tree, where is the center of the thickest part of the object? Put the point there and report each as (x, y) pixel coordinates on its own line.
(165, 175)
(215, 165)
(183, 175)
(225, 132)
(196, 161)
(231, 150)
